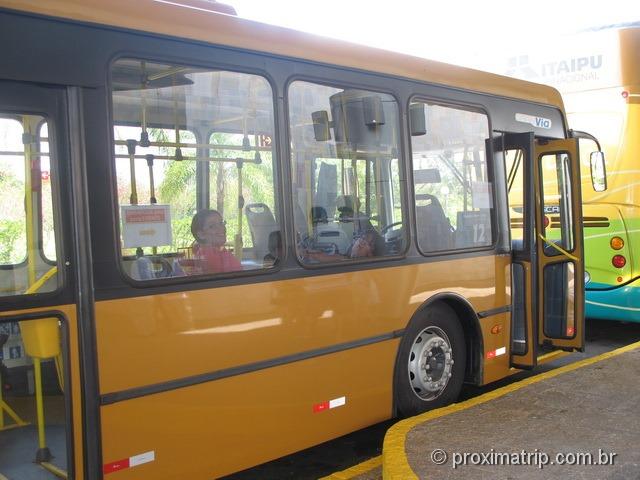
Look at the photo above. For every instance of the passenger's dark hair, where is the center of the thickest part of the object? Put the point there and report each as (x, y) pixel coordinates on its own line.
(197, 222)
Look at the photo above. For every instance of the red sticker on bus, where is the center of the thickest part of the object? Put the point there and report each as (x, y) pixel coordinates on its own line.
(115, 466)
(570, 331)
(130, 462)
(333, 403)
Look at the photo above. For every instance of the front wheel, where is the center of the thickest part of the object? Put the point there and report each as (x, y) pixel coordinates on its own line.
(431, 362)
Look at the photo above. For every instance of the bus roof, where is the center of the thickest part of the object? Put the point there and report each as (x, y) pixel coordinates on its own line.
(193, 22)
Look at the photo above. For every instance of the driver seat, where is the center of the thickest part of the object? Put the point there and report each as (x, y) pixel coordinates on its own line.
(434, 229)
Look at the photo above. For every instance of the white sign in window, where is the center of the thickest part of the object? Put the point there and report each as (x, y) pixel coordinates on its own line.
(146, 225)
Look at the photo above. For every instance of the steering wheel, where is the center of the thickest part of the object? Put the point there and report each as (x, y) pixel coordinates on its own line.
(389, 227)
(393, 239)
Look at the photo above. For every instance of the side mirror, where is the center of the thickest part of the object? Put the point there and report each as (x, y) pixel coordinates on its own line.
(321, 126)
(598, 171)
(417, 119)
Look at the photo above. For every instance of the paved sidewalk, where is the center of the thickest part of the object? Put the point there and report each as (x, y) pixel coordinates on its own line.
(591, 406)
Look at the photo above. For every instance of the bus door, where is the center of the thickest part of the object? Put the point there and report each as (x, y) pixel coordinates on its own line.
(545, 218)
(559, 244)
(38, 315)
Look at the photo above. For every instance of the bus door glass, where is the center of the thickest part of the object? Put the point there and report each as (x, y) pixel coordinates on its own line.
(559, 244)
(36, 297)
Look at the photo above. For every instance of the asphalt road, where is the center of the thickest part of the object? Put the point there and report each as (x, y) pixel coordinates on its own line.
(344, 452)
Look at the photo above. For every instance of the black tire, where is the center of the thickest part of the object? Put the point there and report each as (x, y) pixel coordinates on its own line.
(423, 350)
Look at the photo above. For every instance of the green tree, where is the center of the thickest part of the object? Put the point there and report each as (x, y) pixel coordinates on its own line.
(13, 247)
(10, 232)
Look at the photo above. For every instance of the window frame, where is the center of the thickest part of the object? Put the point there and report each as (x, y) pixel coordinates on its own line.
(489, 154)
(402, 167)
(111, 162)
(41, 197)
(57, 206)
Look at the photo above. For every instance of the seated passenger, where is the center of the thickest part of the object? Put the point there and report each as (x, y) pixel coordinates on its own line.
(357, 224)
(210, 233)
(364, 245)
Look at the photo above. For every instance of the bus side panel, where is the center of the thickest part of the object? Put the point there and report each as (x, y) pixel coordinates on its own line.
(615, 304)
(235, 422)
(612, 293)
(158, 338)
(601, 224)
(212, 429)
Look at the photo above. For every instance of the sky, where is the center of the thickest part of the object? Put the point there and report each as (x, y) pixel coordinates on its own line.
(453, 31)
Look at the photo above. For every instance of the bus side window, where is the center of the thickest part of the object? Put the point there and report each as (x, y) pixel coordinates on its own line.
(347, 174)
(192, 143)
(28, 245)
(453, 192)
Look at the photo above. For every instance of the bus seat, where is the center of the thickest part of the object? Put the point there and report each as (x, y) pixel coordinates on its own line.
(261, 224)
(434, 228)
(142, 269)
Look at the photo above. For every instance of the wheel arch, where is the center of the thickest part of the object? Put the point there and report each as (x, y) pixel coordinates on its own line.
(470, 323)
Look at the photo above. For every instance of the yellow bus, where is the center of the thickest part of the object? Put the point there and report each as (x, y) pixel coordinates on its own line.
(598, 74)
(223, 241)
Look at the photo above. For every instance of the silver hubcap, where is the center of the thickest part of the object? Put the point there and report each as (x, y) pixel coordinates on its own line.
(430, 363)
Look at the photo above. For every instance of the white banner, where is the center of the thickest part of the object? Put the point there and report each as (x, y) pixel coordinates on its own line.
(146, 225)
